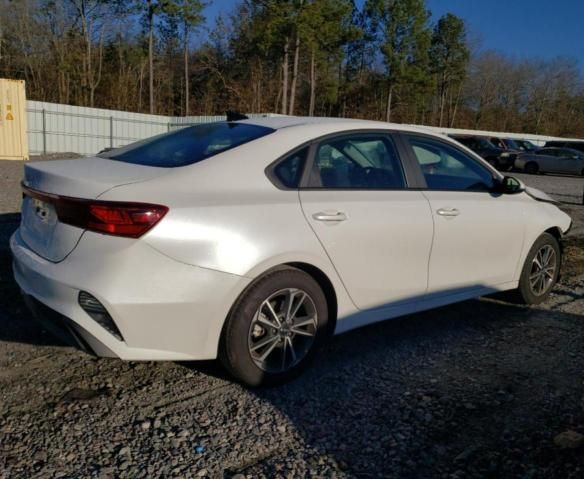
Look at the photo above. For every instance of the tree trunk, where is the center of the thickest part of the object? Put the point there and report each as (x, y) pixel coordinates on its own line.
(141, 86)
(388, 104)
(151, 54)
(94, 80)
(186, 52)
(443, 94)
(89, 71)
(259, 88)
(312, 83)
(294, 75)
(285, 78)
(455, 109)
(87, 58)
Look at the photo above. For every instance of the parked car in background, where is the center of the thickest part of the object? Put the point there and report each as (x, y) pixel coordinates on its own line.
(552, 160)
(575, 145)
(500, 158)
(525, 145)
(503, 143)
(512, 144)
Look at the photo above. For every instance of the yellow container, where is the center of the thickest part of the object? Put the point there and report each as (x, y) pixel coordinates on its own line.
(13, 133)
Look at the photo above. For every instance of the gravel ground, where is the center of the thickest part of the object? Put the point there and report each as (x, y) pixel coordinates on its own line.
(479, 389)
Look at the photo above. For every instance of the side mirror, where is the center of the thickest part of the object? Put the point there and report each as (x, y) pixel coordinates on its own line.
(510, 185)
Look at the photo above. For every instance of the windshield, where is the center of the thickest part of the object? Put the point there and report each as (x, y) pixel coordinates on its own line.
(187, 145)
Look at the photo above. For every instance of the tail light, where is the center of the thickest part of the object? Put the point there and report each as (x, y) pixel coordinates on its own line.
(115, 218)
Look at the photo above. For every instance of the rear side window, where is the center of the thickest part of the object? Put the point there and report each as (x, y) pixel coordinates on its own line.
(289, 170)
(188, 145)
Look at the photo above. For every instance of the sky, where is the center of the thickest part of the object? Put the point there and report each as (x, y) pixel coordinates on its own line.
(519, 28)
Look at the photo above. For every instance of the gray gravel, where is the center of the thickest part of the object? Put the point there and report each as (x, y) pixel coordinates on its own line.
(479, 389)
(10, 178)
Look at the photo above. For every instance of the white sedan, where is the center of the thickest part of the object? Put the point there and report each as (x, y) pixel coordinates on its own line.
(255, 240)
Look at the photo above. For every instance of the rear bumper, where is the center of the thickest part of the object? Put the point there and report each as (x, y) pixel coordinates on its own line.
(63, 328)
(165, 310)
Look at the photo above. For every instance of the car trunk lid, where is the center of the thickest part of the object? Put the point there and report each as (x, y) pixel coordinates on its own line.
(86, 178)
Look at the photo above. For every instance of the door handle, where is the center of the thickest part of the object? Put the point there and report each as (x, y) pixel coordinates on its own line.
(330, 217)
(448, 212)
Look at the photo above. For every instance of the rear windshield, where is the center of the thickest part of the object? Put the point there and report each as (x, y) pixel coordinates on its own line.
(188, 145)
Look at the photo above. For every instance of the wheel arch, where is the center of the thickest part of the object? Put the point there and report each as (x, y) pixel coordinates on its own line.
(556, 232)
(314, 272)
(327, 287)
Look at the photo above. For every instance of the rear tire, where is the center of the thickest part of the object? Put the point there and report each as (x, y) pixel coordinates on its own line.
(540, 271)
(532, 168)
(275, 328)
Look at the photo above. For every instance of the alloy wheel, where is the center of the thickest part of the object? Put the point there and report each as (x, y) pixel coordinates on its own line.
(543, 270)
(282, 330)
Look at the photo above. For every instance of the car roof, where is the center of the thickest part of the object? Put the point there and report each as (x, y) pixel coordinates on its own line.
(281, 122)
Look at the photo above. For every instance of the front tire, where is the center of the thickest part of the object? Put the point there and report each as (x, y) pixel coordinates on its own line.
(275, 328)
(540, 270)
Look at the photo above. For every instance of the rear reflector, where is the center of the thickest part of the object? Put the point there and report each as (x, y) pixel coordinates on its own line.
(115, 218)
(97, 311)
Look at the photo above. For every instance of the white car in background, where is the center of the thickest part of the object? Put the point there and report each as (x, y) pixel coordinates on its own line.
(255, 240)
(552, 160)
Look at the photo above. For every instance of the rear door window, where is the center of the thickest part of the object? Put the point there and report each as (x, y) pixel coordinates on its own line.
(188, 145)
(367, 161)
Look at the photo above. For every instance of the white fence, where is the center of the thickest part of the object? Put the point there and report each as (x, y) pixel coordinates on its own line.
(55, 128)
(64, 128)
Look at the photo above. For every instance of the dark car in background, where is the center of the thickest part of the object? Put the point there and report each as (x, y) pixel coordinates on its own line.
(575, 145)
(503, 143)
(500, 158)
(512, 144)
(566, 161)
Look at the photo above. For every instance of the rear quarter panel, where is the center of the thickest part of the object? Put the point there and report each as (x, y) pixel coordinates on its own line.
(225, 215)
